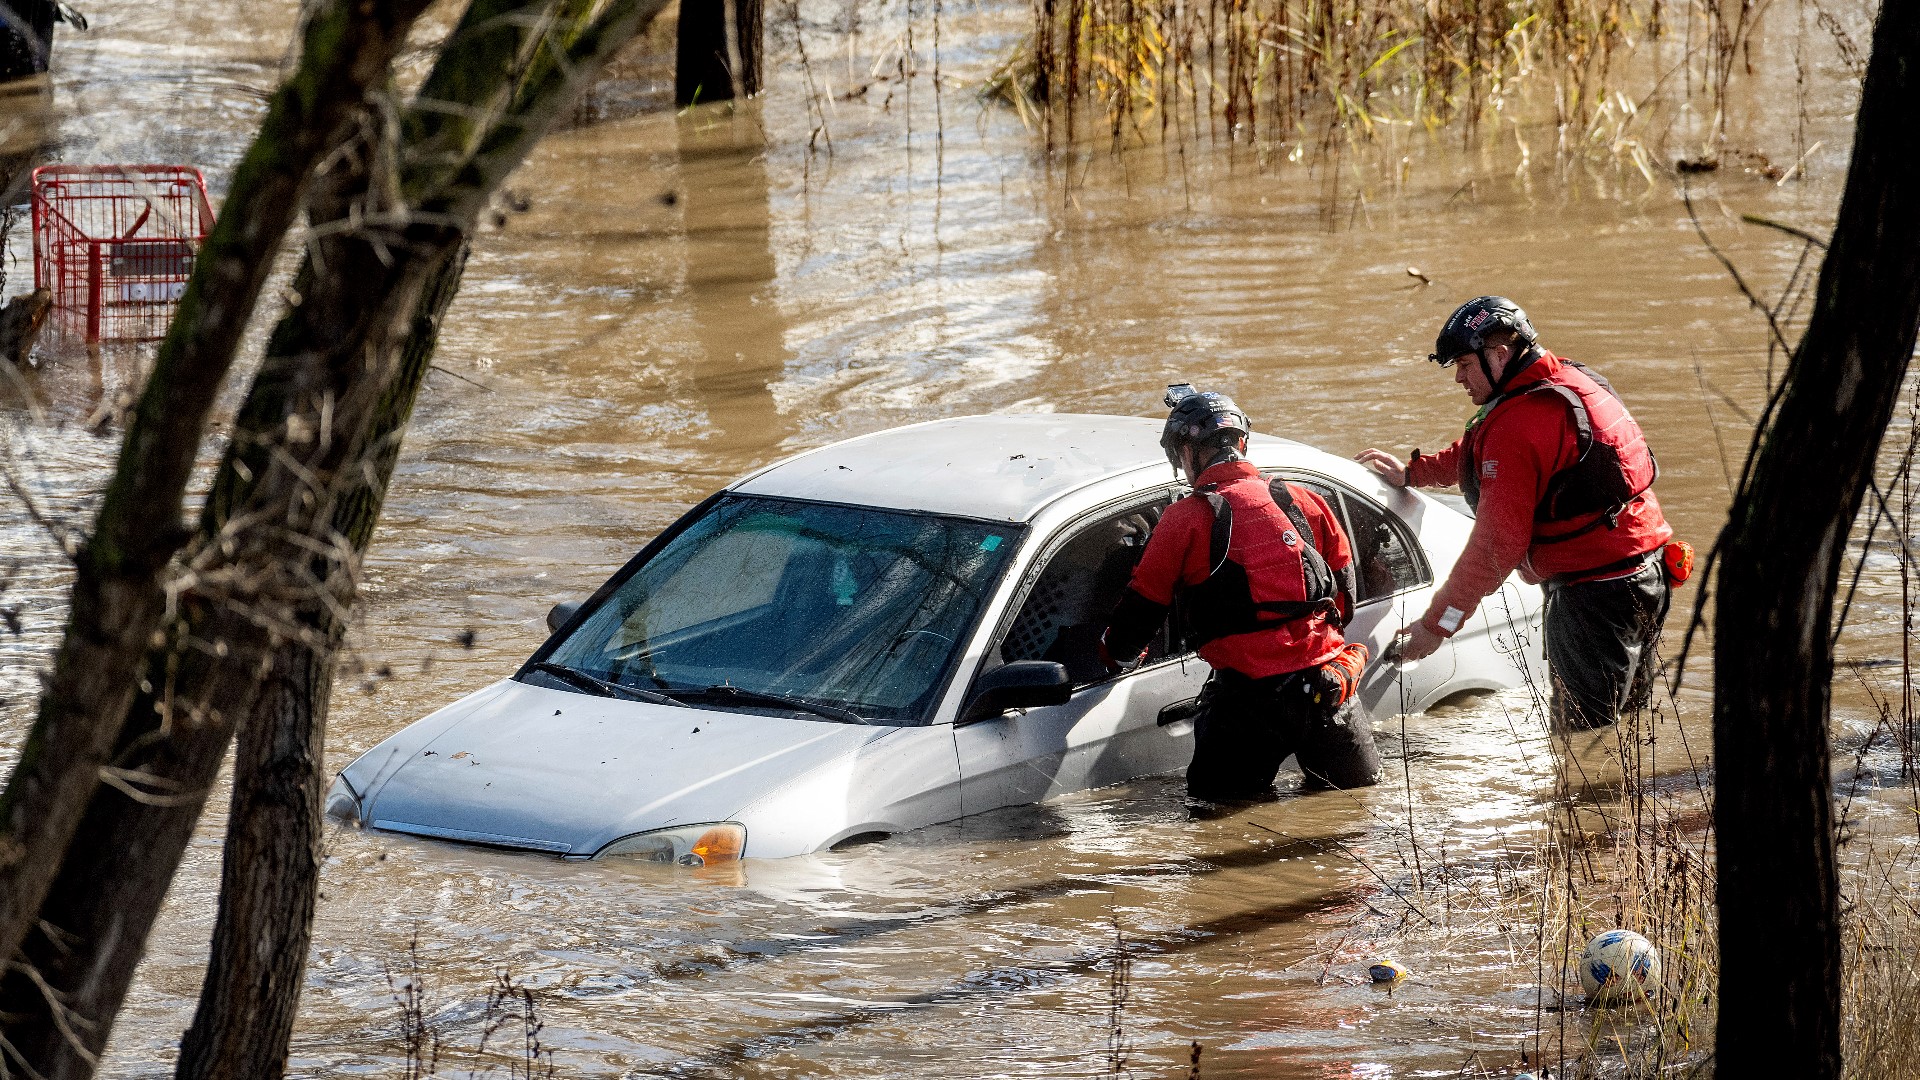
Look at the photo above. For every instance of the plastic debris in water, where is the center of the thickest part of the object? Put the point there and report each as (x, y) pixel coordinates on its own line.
(1386, 971)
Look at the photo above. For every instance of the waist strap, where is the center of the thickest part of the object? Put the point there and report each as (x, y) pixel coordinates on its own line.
(1619, 567)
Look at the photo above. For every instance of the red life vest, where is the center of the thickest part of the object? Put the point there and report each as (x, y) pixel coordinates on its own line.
(1615, 465)
(1263, 570)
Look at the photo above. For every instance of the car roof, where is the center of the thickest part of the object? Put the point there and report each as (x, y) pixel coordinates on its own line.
(1001, 467)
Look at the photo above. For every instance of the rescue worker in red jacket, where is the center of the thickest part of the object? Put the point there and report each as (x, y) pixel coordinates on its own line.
(1263, 579)
(1561, 482)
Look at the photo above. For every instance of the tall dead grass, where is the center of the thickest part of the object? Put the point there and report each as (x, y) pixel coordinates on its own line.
(1880, 868)
(1630, 845)
(1881, 935)
(1286, 75)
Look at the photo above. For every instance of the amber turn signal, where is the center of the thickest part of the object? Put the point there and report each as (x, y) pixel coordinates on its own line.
(719, 844)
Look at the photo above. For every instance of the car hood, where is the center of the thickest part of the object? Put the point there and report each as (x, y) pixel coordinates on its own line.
(547, 770)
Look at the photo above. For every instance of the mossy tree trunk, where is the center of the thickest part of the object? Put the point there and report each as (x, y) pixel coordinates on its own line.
(1779, 1009)
(124, 571)
(270, 868)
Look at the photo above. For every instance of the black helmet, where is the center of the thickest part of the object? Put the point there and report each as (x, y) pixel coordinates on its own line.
(1201, 420)
(1467, 328)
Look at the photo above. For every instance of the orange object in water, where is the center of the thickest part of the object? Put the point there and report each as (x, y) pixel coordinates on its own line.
(1677, 556)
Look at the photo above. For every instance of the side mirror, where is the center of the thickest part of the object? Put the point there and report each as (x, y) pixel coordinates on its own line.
(1023, 684)
(561, 612)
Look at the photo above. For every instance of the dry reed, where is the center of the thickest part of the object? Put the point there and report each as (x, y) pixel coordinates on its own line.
(1881, 937)
(1290, 76)
(1880, 874)
(508, 1042)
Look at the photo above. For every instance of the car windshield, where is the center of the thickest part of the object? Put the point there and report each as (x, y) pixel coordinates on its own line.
(859, 609)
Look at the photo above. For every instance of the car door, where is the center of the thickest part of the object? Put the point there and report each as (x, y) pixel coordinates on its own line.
(1114, 727)
(1393, 585)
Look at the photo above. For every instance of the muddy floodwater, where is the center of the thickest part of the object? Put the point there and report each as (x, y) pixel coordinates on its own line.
(687, 297)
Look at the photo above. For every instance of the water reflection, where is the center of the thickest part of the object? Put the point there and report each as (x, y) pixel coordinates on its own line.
(730, 276)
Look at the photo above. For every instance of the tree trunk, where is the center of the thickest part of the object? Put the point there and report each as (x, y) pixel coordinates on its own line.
(270, 873)
(268, 878)
(272, 570)
(252, 629)
(119, 595)
(1779, 1010)
(719, 50)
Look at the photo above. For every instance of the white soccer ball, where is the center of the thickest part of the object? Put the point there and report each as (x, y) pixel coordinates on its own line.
(1619, 965)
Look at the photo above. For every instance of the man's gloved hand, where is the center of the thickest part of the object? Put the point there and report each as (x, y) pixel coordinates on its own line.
(1417, 642)
(1333, 682)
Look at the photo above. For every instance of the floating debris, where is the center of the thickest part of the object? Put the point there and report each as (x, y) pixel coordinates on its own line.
(1618, 965)
(1387, 971)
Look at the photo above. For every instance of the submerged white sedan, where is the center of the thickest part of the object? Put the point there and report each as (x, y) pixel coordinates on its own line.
(874, 636)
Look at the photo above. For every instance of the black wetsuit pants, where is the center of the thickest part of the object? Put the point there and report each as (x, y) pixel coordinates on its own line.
(1601, 645)
(1244, 728)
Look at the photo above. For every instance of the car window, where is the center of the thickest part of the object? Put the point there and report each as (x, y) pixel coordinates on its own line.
(1067, 606)
(848, 606)
(1384, 556)
(1385, 559)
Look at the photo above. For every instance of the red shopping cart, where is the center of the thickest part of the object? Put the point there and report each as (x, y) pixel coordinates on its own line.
(115, 245)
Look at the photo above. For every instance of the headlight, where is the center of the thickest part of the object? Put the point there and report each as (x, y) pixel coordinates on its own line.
(343, 802)
(688, 845)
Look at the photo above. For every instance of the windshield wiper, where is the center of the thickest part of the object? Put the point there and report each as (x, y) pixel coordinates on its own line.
(756, 697)
(601, 687)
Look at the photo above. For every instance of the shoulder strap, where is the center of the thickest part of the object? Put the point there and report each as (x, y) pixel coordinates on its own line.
(1222, 537)
(1321, 581)
(1599, 380)
(1283, 498)
(1582, 421)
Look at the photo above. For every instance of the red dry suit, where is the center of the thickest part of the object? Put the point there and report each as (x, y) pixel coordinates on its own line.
(1266, 570)
(1547, 501)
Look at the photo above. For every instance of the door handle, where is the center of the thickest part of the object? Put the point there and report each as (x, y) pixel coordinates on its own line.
(1178, 711)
